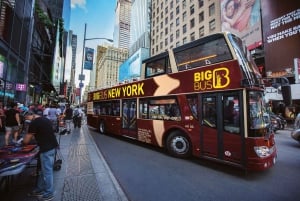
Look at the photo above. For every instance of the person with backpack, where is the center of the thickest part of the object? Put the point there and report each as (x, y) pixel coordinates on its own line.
(68, 113)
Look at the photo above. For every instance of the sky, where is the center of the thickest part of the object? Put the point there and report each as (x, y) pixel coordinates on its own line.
(99, 15)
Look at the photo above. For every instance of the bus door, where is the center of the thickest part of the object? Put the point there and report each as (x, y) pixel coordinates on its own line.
(221, 129)
(129, 112)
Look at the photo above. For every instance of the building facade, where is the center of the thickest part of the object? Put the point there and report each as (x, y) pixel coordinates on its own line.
(108, 61)
(177, 22)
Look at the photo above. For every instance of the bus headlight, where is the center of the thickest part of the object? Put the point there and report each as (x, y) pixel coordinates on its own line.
(262, 151)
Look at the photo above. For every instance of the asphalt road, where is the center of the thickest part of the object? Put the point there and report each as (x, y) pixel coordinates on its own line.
(147, 173)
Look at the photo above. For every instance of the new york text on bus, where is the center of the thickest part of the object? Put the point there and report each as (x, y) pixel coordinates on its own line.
(204, 98)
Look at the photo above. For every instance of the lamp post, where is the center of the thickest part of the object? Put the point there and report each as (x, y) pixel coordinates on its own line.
(81, 76)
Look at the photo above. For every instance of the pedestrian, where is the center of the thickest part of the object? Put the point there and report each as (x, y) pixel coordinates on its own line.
(52, 115)
(46, 110)
(77, 115)
(40, 129)
(13, 122)
(68, 113)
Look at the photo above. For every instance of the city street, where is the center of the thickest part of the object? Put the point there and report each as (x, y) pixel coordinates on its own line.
(149, 174)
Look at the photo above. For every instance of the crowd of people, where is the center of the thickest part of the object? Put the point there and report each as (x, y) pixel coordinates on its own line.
(14, 118)
(43, 123)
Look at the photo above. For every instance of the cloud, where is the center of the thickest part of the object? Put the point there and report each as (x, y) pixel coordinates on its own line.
(78, 3)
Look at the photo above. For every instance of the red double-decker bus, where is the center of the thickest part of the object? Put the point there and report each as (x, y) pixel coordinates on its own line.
(204, 98)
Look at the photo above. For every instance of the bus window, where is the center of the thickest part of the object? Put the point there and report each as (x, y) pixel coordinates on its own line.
(193, 104)
(158, 67)
(209, 112)
(107, 108)
(143, 109)
(256, 113)
(231, 114)
(203, 54)
(160, 109)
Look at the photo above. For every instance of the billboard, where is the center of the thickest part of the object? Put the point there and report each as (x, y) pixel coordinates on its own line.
(281, 34)
(242, 18)
(131, 68)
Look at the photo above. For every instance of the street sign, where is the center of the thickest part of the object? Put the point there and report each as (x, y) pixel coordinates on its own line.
(81, 85)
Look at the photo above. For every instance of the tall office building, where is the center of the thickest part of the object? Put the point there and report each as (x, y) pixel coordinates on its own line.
(176, 22)
(140, 25)
(122, 24)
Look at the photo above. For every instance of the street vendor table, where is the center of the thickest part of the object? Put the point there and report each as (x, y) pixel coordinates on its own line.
(14, 159)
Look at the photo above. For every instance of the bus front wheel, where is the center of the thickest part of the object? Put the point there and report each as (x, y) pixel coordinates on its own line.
(102, 127)
(178, 145)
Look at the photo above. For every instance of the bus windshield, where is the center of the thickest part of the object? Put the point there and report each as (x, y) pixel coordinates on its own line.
(256, 111)
(249, 68)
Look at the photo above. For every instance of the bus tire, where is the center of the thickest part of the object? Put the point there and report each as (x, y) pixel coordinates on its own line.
(178, 145)
(102, 127)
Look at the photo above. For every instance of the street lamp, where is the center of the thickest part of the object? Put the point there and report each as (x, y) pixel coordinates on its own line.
(81, 76)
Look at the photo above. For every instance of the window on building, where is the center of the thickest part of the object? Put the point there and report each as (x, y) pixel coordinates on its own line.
(177, 44)
(166, 42)
(161, 25)
(184, 4)
(166, 10)
(212, 25)
(161, 35)
(184, 40)
(211, 9)
(171, 27)
(184, 28)
(193, 36)
(192, 23)
(166, 20)
(177, 33)
(201, 31)
(171, 4)
(200, 3)
(171, 38)
(177, 10)
(192, 9)
(201, 16)
(184, 16)
(177, 21)
(166, 30)
(162, 15)
(171, 15)
(161, 45)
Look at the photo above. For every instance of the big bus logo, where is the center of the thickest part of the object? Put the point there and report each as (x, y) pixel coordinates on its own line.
(211, 79)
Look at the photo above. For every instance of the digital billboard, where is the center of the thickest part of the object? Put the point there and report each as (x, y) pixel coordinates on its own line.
(281, 34)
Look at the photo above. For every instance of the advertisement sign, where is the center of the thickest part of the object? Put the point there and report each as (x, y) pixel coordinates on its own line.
(243, 19)
(89, 57)
(281, 31)
(21, 87)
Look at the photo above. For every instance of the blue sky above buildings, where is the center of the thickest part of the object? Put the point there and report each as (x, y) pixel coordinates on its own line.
(99, 15)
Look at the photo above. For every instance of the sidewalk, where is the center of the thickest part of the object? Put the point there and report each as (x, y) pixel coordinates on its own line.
(84, 174)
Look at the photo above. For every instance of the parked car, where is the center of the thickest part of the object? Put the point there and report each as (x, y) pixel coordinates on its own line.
(277, 121)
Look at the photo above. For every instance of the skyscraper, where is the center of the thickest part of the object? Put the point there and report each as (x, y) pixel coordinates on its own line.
(122, 24)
